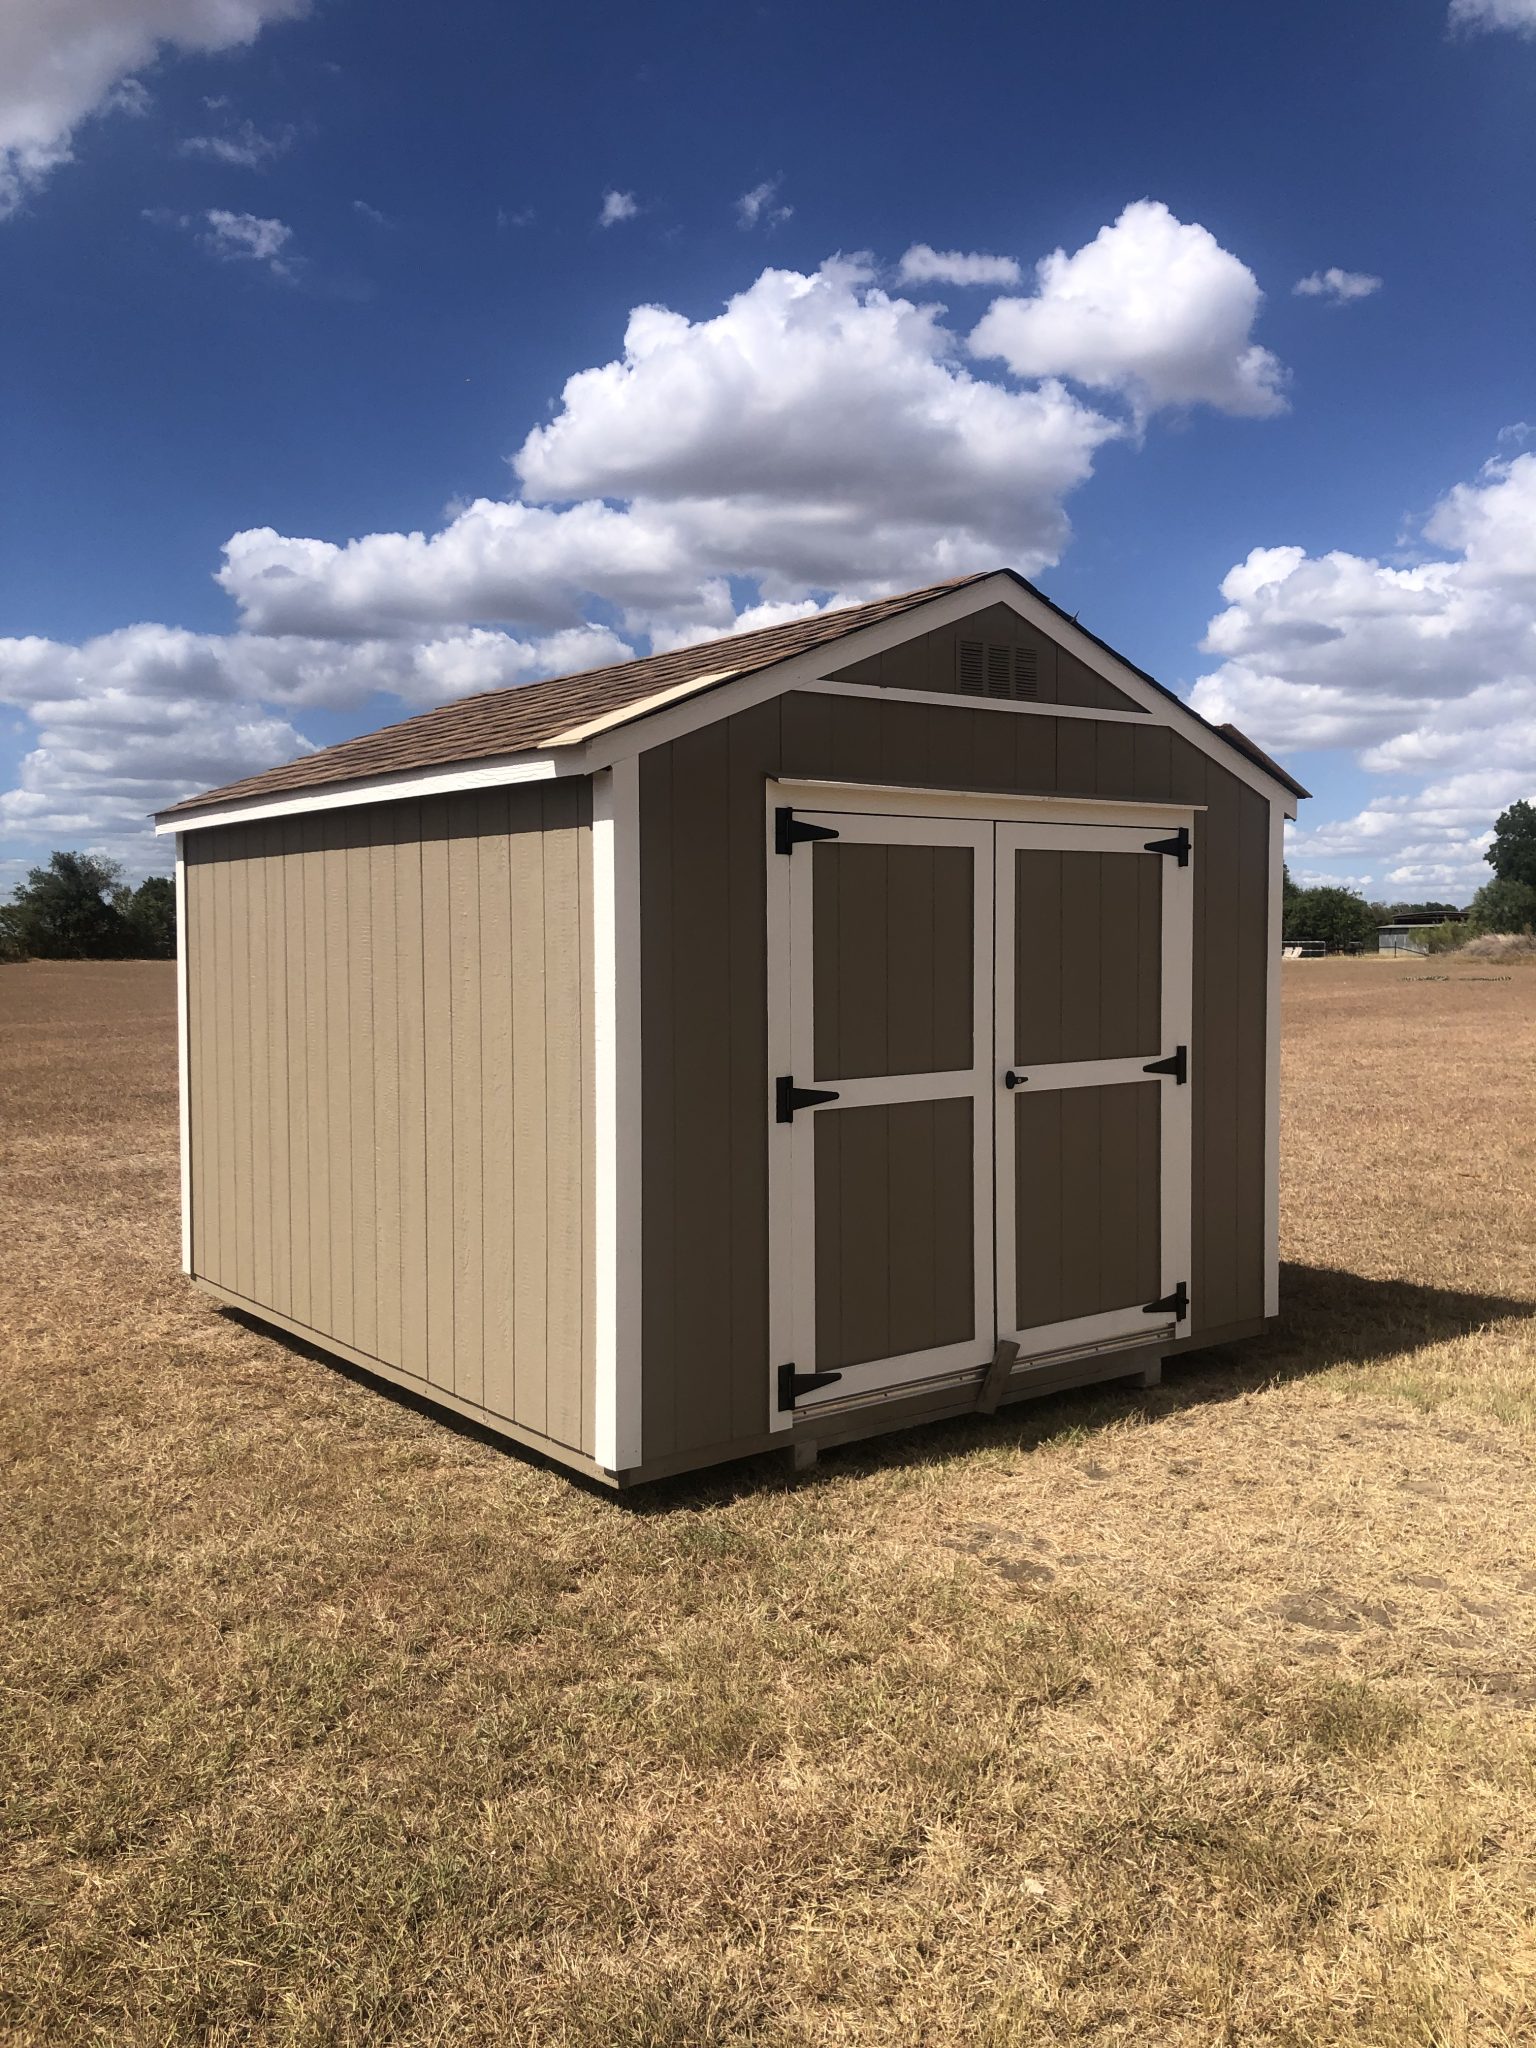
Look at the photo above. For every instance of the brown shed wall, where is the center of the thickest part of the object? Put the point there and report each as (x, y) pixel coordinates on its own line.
(704, 1008)
(930, 661)
(390, 1049)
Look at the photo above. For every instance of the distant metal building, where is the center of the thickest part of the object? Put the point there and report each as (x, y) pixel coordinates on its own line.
(1407, 935)
(757, 1045)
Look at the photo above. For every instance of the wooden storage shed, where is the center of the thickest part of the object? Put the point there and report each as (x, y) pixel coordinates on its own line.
(745, 1046)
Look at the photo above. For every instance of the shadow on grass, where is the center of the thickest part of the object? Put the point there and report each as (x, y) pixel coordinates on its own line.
(1327, 1318)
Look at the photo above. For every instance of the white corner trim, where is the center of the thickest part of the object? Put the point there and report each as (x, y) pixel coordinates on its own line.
(617, 1076)
(495, 773)
(1272, 1063)
(183, 1056)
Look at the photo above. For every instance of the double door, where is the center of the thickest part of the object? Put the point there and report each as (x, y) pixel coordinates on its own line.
(979, 1116)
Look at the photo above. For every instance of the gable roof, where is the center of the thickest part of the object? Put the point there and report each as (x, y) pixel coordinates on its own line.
(529, 716)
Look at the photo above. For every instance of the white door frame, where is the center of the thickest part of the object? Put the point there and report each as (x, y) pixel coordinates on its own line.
(1176, 1138)
(949, 817)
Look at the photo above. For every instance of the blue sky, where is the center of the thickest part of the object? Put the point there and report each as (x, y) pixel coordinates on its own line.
(291, 274)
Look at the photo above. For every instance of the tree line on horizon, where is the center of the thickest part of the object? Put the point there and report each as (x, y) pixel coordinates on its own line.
(1342, 917)
(79, 908)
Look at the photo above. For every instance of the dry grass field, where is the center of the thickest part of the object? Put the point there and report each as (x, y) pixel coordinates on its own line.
(1182, 1719)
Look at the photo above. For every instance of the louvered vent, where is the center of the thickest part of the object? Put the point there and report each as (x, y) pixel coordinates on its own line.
(988, 671)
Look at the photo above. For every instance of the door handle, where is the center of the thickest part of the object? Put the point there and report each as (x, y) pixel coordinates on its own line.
(1014, 1080)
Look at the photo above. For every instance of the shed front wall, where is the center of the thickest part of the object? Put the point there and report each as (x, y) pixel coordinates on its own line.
(390, 1082)
(704, 969)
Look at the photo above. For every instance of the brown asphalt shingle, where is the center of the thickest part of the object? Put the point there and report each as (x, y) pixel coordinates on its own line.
(530, 715)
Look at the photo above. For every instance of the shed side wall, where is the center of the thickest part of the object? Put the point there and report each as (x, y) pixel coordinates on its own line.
(391, 1088)
(704, 1007)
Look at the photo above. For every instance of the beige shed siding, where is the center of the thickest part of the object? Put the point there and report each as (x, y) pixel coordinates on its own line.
(704, 968)
(391, 1080)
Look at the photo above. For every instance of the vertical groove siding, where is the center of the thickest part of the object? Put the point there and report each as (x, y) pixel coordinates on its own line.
(703, 1003)
(390, 1043)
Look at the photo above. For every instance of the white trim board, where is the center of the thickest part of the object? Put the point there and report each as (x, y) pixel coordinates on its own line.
(377, 789)
(989, 806)
(617, 1112)
(1275, 923)
(183, 1056)
(948, 700)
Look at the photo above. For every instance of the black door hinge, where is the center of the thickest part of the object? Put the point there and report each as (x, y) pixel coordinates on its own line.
(793, 1384)
(788, 1098)
(1175, 1304)
(1177, 1065)
(1177, 847)
(790, 831)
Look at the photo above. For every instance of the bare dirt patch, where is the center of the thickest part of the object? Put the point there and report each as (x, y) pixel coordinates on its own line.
(1200, 1716)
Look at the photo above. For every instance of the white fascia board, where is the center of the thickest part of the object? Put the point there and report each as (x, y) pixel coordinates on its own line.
(495, 773)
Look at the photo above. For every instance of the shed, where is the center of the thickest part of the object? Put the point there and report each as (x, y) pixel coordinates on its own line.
(766, 1043)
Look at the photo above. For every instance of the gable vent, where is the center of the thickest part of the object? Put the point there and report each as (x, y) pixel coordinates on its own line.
(985, 670)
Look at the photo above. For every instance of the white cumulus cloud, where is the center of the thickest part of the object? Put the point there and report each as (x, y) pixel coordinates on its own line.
(820, 439)
(1427, 670)
(246, 237)
(1519, 15)
(1339, 286)
(760, 207)
(63, 60)
(130, 721)
(817, 434)
(1153, 308)
(922, 265)
(243, 145)
(617, 206)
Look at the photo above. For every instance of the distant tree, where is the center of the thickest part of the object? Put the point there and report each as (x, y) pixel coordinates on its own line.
(1512, 855)
(65, 911)
(149, 918)
(1336, 916)
(1505, 905)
